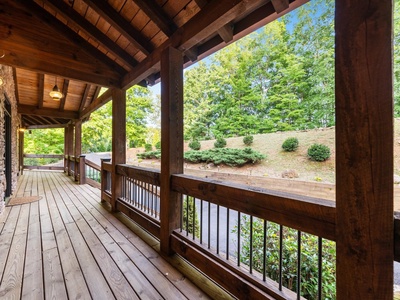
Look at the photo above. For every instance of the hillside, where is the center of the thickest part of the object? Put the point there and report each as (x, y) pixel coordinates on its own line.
(279, 161)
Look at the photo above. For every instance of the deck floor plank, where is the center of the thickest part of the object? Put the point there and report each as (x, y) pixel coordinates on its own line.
(68, 246)
(11, 284)
(74, 279)
(33, 278)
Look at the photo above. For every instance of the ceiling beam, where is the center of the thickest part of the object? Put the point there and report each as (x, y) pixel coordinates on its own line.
(46, 112)
(214, 15)
(280, 5)
(157, 15)
(225, 32)
(40, 90)
(97, 103)
(107, 12)
(46, 126)
(84, 97)
(88, 28)
(32, 43)
(64, 91)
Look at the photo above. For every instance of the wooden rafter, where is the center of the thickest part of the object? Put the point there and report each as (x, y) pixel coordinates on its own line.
(33, 39)
(157, 15)
(74, 17)
(64, 91)
(280, 5)
(84, 97)
(97, 103)
(107, 12)
(40, 90)
(214, 15)
(46, 112)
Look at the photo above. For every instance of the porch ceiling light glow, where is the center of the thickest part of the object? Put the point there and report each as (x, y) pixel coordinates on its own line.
(55, 93)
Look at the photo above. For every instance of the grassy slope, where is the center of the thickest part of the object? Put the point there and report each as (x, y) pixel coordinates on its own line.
(279, 161)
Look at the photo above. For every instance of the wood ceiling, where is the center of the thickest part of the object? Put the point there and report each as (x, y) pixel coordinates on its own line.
(83, 45)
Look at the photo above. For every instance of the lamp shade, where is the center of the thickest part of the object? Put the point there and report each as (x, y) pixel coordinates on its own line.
(56, 94)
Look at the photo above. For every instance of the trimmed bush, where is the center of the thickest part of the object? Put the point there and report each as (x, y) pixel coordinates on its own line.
(248, 140)
(158, 145)
(220, 142)
(148, 147)
(227, 156)
(149, 154)
(319, 152)
(290, 144)
(195, 145)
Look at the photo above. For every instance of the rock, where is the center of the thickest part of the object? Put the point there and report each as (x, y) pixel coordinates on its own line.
(290, 174)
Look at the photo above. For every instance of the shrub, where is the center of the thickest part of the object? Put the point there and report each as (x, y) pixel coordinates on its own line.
(195, 145)
(190, 221)
(158, 145)
(248, 140)
(149, 154)
(148, 147)
(309, 256)
(227, 156)
(220, 142)
(318, 152)
(290, 144)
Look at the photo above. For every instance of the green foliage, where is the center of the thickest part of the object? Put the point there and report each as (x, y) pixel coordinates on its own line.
(158, 145)
(290, 144)
(227, 156)
(318, 152)
(309, 257)
(44, 141)
(149, 154)
(248, 140)
(148, 147)
(195, 145)
(190, 217)
(220, 142)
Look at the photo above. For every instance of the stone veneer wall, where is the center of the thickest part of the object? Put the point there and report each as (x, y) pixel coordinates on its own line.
(8, 88)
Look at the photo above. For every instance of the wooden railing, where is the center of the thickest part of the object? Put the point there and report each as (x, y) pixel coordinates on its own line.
(212, 228)
(43, 156)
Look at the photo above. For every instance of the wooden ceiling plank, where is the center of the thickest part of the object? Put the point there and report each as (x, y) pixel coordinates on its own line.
(157, 15)
(46, 112)
(64, 30)
(64, 91)
(74, 17)
(280, 5)
(84, 97)
(41, 90)
(107, 12)
(215, 14)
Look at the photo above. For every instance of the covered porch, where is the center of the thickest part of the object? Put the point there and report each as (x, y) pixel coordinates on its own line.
(67, 245)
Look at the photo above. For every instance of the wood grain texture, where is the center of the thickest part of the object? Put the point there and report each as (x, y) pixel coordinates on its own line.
(171, 141)
(364, 143)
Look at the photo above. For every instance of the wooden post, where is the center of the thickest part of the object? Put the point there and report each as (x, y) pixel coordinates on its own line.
(364, 149)
(171, 141)
(78, 149)
(82, 169)
(21, 136)
(66, 149)
(70, 145)
(118, 141)
(103, 180)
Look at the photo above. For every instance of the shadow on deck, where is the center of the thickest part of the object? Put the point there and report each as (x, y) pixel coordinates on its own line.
(68, 245)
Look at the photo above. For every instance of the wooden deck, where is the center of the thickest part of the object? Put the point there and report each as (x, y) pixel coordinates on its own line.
(68, 246)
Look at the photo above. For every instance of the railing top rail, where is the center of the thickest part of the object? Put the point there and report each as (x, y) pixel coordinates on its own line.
(311, 215)
(147, 175)
(44, 155)
(92, 164)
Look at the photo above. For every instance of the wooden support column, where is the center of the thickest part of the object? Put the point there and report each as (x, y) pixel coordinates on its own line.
(118, 141)
(77, 148)
(21, 136)
(171, 141)
(69, 146)
(364, 149)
